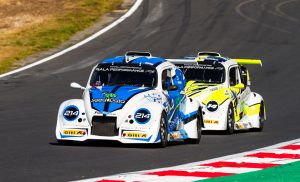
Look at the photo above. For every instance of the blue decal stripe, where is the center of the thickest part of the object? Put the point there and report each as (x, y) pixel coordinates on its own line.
(119, 59)
(126, 94)
(154, 61)
(67, 136)
(189, 117)
(150, 61)
(157, 138)
(106, 105)
(96, 93)
(141, 139)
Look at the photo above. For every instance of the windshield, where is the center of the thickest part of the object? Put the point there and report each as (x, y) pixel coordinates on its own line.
(124, 74)
(203, 72)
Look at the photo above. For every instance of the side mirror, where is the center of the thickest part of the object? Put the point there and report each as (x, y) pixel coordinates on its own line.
(173, 87)
(239, 86)
(76, 85)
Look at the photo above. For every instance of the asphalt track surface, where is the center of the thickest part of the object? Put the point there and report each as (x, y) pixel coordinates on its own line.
(29, 100)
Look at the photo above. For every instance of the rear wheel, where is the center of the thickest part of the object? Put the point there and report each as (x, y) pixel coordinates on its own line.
(261, 119)
(230, 120)
(163, 131)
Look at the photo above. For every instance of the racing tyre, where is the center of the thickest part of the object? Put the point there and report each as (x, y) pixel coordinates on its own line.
(261, 119)
(199, 130)
(230, 120)
(64, 142)
(163, 131)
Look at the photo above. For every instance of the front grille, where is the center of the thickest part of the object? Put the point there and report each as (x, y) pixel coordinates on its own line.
(104, 126)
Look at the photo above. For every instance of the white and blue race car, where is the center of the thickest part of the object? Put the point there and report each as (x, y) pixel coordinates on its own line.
(134, 98)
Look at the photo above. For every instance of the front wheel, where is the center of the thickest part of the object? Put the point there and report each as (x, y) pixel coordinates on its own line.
(199, 130)
(163, 131)
(261, 119)
(230, 120)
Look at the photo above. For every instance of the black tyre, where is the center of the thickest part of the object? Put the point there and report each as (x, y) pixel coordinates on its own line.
(230, 120)
(163, 131)
(261, 119)
(199, 130)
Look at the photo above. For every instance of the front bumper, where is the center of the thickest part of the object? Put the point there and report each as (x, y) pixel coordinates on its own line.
(123, 135)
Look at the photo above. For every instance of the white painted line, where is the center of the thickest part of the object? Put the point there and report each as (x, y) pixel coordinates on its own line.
(236, 170)
(151, 178)
(262, 160)
(97, 34)
(285, 151)
(195, 166)
(239, 154)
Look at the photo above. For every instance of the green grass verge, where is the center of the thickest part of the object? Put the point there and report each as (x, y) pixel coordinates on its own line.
(284, 173)
(50, 34)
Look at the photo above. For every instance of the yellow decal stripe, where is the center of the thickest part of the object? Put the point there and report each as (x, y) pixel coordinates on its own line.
(252, 110)
(218, 96)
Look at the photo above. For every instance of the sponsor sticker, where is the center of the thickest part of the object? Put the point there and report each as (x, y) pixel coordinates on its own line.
(176, 135)
(154, 97)
(209, 121)
(226, 92)
(109, 97)
(74, 132)
(134, 135)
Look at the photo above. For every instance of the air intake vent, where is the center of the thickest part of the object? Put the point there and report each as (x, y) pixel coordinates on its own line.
(104, 126)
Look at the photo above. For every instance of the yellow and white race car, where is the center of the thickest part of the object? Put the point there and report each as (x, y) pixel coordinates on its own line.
(222, 86)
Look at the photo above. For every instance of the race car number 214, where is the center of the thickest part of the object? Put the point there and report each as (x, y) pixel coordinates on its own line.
(142, 115)
(71, 113)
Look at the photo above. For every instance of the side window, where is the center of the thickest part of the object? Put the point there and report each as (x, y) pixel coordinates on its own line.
(244, 76)
(166, 79)
(233, 76)
(178, 79)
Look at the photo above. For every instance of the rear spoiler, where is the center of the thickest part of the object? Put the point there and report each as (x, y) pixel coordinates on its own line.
(131, 55)
(196, 59)
(248, 61)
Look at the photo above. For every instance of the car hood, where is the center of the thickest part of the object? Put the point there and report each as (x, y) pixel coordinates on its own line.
(112, 98)
(195, 89)
(205, 92)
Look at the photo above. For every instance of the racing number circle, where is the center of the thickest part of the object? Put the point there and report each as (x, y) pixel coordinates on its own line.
(71, 113)
(142, 116)
(212, 106)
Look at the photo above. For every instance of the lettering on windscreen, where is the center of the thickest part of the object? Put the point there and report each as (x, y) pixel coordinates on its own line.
(200, 67)
(124, 69)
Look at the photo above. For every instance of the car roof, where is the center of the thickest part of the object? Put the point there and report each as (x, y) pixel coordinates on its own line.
(212, 57)
(152, 61)
(226, 62)
(135, 57)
